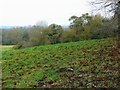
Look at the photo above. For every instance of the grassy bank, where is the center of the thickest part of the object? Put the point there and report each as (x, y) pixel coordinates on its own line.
(90, 63)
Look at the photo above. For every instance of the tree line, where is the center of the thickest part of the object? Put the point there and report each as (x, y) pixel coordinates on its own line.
(83, 27)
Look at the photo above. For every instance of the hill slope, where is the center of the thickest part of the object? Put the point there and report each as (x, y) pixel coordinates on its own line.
(90, 63)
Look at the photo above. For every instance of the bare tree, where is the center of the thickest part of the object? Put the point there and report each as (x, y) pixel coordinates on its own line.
(112, 6)
(106, 7)
(42, 23)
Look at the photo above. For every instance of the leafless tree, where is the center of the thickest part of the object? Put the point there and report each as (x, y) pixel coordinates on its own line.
(112, 6)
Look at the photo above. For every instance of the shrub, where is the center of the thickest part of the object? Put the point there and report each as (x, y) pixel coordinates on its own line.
(17, 46)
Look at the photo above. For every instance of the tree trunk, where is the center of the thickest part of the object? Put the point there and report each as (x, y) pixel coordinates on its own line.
(118, 12)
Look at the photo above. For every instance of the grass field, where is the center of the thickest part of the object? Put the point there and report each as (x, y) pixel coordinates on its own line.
(6, 47)
(90, 63)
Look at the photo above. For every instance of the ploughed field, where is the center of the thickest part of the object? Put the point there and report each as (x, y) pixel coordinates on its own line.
(83, 64)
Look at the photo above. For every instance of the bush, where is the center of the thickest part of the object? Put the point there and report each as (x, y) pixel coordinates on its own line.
(69, 36)
(19, 46)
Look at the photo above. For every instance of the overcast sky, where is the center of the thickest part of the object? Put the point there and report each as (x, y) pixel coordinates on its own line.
(29, 12)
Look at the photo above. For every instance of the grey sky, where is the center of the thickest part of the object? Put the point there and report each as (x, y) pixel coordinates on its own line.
(28, 12)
